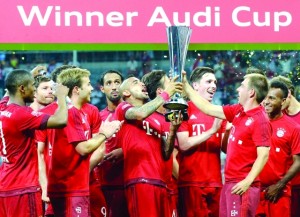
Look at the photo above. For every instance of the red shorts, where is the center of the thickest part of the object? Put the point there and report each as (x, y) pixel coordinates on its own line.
(71, 206)
(145, 200)
(25, 205)
(49, 210)
(236, 205)
(173, 204)
(97, 201)
(116, 201)
(279, 209)
(199, 201)
(295, 207)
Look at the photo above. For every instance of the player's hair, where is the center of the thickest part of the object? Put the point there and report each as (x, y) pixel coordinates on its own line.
(101, 80)
(40, 79)
(17, 78)
(72, 77)
(280, 85)
(153, 80)
(198, 72)
(260, 85)
(286, 81)
(59, 69)
(254, 70)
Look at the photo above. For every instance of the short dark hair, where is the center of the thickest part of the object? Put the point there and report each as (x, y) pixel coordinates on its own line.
(101, 80)
(40, 79)
(152, 80)
(286, 81)
(280, 85)
(198, 72)
(59, 69)
(17, 78)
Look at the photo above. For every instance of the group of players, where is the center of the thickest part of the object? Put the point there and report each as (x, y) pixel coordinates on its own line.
(130, 160)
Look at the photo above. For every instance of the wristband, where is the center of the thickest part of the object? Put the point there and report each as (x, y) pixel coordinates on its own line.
(103, 135)
(165, 96)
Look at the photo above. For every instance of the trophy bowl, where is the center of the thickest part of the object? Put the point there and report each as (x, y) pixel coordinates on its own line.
(178, 42)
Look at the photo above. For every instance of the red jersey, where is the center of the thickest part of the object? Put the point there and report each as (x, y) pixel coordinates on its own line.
(200, 166)
(141, 143)
(296, 118)
(285, 144)
(249, 130)
(68, 171)
(19, 170)
(111, 174)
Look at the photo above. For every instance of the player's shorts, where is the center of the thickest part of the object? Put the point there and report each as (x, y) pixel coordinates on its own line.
(98, 204)
(199, 201)
(25, 205)
(236, 205)
(71, 206)
(116, 201)
(145, 200)
(279, 209)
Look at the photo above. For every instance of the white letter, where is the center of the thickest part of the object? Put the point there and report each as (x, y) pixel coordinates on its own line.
(235, 14)
(206, 15)
(114, 16)
(35, 11)
(89, 16)
(217, 16)
(130, 15)
(277, 23)
(186, 22)
(267, 21)
(73, 13)
(57, 16)
(164, 19)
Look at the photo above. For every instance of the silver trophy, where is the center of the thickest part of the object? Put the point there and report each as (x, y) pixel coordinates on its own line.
(178, 42)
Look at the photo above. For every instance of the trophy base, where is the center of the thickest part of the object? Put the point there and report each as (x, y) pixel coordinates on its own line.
(176, 104)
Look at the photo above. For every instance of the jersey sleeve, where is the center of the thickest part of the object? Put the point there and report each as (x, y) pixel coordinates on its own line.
(231, 110)
(26, 118)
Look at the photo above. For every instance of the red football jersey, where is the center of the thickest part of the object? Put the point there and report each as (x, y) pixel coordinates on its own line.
(141, 143)
(249, 130)
(200, 166)
(296, 118)
(68, 171)
(285, 144)
(111, 173)
(19, 170)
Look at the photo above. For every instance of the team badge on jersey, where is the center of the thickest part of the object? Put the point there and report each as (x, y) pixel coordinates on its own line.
(280, 132)
(249, 121)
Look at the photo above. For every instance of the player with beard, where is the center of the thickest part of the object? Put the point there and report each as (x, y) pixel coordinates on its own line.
(43, 94)
(44, 149)
(248, 143)
(111, 170)
(200, 179)
(291, 108)
(20, 191)
(156, 81)
(73, 149)
(284, 159)
(145, 148)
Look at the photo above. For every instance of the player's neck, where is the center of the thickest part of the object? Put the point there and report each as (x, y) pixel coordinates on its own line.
(16, 99)
(294, 107)
(36, 106)
(275, 116)
(111, 106)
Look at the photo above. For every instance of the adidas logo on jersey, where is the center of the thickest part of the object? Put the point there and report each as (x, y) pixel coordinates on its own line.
(193, 116)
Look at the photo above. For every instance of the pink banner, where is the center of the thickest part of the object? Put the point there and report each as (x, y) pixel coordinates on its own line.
(135, 21)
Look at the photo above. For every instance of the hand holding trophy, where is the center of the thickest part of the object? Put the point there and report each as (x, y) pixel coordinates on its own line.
(178, 41)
